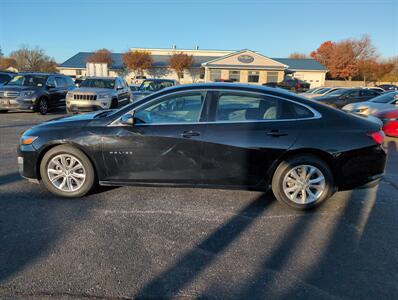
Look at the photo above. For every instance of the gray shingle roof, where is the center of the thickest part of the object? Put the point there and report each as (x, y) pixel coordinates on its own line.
(301, 64)
(79, 61)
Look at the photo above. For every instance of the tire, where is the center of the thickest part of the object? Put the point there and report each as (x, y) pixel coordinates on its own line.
(76, 186)
(3, 111)
(114, 104)
(42, 106)
(288, 176)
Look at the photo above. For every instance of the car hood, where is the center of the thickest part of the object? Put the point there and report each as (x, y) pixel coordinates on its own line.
(92, 90)
(16, 88)
(141, 93)
(73, 121)
(325, 98)
(366, 107)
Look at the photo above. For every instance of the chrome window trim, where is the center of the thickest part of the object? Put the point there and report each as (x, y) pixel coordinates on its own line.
(317, 115)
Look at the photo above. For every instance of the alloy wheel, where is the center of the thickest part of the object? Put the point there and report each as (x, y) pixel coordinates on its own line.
(66, 172)
(304, 184)
(43, 107)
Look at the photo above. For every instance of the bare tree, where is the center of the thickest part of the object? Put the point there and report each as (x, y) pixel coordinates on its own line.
(6, 62)
(33, 59)
(297, 55)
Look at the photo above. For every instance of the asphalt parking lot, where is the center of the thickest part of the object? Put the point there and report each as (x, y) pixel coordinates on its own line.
(144, 242)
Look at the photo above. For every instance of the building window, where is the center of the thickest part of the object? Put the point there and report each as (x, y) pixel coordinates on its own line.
(272, 76)
(215, 74)
(202, 74)
(78, 72)
(234, 76)
(181, 75)
(253, 76)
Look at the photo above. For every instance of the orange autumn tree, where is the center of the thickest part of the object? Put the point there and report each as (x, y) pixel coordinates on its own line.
(137, 61)
(101, 56)
(179, 62)
(347, 58)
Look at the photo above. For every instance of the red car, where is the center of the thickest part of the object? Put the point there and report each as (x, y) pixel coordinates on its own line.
(390, 121)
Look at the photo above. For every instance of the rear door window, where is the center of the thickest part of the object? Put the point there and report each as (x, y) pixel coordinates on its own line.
(238, 107)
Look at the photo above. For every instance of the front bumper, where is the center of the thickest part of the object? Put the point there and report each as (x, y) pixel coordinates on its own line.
(27, 158)
(17, 104)
(75, 106)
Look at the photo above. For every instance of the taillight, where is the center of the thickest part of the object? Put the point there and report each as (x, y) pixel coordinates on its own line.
(378, 137)
(298, 85)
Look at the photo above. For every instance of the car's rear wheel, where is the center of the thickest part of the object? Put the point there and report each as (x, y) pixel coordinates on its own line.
(67, 172)
(43, 106)
(303, 182)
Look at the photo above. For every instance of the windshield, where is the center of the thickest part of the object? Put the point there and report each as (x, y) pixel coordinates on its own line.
(4, 78)
(155, 85)
(28, 80)
(322, 91)
(98, 83)
(385, 98)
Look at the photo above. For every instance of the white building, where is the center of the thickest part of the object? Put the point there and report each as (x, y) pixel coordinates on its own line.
(244, 66)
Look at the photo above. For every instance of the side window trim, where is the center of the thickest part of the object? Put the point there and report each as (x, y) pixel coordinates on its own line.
(210, 99)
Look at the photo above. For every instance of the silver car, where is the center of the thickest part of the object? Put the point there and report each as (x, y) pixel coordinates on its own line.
(98, 93)
(388, 100)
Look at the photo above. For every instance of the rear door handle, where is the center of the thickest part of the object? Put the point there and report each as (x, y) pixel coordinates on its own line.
(189, 134)
(276, 133)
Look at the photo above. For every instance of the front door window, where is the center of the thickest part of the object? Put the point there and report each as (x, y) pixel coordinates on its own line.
(180, 108)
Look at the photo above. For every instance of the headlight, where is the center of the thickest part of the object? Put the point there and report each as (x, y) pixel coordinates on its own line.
(103, 96)
(361, 110)
(27, 140)
(69, 95)
(27, 93)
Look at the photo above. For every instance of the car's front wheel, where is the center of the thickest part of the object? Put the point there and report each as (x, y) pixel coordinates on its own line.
(67, 172)
(43, 106)
(302, 182)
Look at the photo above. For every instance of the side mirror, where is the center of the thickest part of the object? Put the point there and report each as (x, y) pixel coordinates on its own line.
(51, 86)
(127, 120)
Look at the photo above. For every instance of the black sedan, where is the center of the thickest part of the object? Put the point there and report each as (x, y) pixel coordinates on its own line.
(209, 135)
(342, 97)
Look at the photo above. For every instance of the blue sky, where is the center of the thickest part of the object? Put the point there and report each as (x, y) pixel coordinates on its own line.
(275, 28)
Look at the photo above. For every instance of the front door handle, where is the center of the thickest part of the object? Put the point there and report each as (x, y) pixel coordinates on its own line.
(189, 134)
(276, 133)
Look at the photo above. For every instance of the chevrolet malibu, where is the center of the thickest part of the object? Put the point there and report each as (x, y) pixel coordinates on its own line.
(209, 135)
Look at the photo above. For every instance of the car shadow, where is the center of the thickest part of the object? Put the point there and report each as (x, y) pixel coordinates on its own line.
(10, 178)
(29, 231)
(168, 283)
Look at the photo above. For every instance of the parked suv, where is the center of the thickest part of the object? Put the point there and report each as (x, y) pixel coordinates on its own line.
(294, 85)
(35, 92)
(98, 93)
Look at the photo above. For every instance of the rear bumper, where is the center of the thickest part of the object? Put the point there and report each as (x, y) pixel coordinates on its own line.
(360, 168)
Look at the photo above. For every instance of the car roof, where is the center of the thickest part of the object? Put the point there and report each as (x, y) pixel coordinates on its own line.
(101, 77)
(235, 86)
